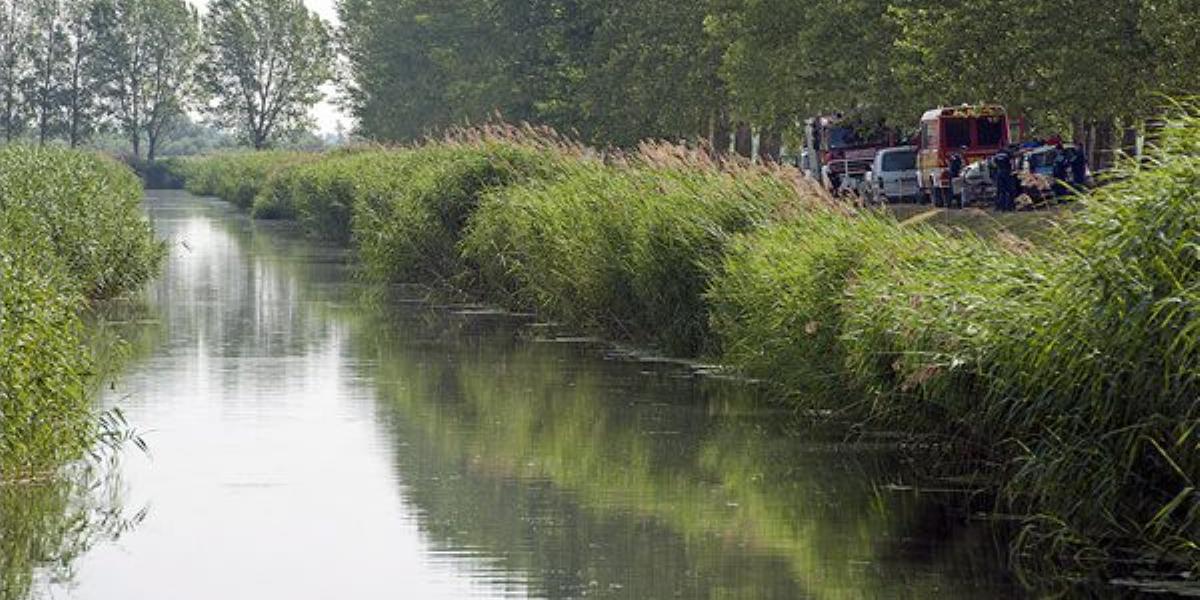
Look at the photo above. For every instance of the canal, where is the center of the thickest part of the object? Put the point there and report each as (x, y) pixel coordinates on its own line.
(307, 442)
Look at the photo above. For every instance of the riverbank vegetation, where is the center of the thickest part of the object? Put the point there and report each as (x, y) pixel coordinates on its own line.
(1065, 369)
(71, 233)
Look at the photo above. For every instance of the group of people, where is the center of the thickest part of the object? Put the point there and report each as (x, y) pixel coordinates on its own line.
(1070, 171)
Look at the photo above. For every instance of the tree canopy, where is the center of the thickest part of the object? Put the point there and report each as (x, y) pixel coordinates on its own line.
(624, 70)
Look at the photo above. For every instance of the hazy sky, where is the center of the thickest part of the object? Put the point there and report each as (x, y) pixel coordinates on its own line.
(326, 114)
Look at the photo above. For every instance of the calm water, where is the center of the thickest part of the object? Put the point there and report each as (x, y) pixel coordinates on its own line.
(307, 445)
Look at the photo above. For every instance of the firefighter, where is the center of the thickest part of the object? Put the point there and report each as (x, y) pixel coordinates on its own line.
(1002, 165)
(1062, 170)
(955, 168)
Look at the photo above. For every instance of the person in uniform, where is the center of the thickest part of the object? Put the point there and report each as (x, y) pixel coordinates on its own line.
(1061, 170)
(1002, 166)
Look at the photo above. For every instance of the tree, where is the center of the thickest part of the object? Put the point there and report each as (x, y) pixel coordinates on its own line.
(47, 50)
(64, 88)
(614, 72)
(16, 67)
(80, 90)
(266, 61)
(784, 62)
(652, 72)
(147, 52)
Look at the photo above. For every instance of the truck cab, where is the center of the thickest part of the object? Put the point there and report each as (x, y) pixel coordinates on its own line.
(976, 132)
(839, 151)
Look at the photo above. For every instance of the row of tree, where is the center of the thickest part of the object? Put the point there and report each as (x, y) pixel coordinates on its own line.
(71, 68)
(617, 71)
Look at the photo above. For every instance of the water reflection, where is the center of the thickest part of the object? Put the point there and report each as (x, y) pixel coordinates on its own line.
(46, 527)
(617, 480)
(306, 444)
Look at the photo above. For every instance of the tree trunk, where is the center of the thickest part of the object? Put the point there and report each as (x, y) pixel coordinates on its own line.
(75, 128)
(770, 145)
(743, 142)
(1105, 144)
(1079, 133)
(719, 133)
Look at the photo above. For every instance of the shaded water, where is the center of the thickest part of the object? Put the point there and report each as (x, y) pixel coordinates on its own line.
(307, 445)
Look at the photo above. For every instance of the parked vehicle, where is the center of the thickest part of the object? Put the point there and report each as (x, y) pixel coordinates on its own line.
(976, 184)
(893, 176)
(1037, 175)
(839, 150)
(975, 132)
(1040, 161)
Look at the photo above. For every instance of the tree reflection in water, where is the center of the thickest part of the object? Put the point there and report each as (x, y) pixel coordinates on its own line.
(46, 526)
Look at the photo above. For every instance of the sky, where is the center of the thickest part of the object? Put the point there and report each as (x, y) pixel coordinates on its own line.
(326, 114)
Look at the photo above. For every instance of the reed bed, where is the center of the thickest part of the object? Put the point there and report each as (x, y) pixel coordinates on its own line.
(1066, 371)
(71, 231)
(237, 178)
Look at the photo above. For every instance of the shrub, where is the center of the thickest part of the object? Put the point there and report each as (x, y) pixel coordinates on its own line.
(44, 410)
(326, 193)
(88, 209)
(1106, 391)
(70, 229)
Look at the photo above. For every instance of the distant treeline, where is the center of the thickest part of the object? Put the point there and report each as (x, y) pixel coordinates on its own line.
(621, 71)
(73, 69)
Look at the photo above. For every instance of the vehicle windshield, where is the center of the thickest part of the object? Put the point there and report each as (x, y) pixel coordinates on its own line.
(903, 160)
(843, 137)
(991, 131)
(958, 133)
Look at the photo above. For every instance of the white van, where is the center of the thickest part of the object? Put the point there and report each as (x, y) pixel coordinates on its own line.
(893, 176)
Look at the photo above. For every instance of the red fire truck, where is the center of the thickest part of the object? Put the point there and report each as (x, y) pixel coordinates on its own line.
(839, 150)
(975, 132)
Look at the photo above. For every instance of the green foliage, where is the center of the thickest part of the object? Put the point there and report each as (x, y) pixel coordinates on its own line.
(237, 178)
(410, 233)
(622, 72)
(623, 249)
(147, 51)
(44, 412)
(615, 74)
(70, 229)
(327, 192)
(88, 210)
(264, 65)
(1116, 365)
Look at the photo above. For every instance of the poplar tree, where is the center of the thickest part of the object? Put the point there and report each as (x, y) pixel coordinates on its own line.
(81, 108)
(147, 53)
(16, 66)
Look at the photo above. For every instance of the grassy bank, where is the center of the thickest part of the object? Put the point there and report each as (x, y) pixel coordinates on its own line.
(71, 232)
(1066, 369)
